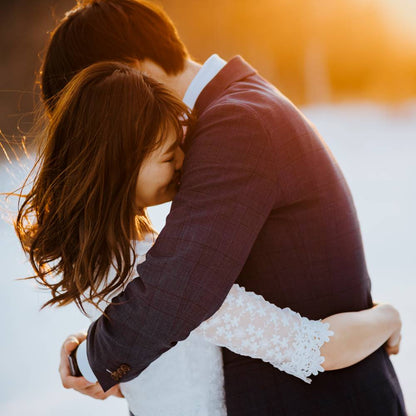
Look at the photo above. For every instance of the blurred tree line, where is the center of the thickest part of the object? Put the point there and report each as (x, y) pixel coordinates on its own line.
(312, 50)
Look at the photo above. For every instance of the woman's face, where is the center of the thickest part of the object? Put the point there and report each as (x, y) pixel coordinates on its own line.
(159, 175)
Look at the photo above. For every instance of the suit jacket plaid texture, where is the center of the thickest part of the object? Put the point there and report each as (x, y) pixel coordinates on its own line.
(262, 203)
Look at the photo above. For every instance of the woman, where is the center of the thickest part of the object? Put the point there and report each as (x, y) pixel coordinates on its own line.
(112, 148)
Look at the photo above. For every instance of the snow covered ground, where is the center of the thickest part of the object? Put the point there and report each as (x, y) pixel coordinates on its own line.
(376, 148)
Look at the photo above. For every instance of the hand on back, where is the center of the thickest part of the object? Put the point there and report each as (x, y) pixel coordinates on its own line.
(81, 384)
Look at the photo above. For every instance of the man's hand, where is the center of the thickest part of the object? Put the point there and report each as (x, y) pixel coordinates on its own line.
(81, 384)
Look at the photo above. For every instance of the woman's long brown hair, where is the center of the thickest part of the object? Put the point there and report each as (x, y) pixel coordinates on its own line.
(79, 218)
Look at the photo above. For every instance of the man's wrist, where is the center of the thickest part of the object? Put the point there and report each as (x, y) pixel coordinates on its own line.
(83, 364)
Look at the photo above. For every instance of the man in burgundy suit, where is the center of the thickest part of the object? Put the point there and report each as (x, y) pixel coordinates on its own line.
(262, 203)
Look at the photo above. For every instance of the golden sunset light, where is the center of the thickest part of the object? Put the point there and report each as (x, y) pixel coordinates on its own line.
(314, 50)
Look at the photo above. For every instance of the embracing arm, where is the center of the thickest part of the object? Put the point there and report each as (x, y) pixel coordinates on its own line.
(359, 334)
(249, 325)
(228, 190)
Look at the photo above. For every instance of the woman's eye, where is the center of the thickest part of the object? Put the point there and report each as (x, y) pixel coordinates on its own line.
(170, 160)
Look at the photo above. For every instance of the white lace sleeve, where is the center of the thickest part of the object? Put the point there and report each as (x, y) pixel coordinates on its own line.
(249, 325)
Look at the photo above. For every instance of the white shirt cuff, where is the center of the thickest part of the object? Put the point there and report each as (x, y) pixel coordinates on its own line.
(83, 364)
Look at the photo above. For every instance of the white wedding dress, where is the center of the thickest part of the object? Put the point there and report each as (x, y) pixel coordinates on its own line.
(187, 380)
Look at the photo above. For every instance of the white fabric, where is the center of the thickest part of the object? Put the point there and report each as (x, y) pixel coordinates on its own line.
(188, 379)
(205, 75)
(83, 364)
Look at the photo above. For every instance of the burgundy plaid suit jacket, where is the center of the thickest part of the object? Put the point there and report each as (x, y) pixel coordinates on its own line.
(262, 203)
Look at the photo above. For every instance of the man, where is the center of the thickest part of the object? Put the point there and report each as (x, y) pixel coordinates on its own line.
(262, 203)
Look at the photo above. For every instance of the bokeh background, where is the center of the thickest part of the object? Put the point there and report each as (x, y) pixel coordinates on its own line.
(350, 65)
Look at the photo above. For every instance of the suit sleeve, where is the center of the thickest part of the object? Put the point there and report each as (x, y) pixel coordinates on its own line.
(228, 191)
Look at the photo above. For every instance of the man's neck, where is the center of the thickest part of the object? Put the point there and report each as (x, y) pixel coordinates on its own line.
(180, 83)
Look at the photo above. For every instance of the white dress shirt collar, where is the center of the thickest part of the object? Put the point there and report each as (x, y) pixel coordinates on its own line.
(205, 75)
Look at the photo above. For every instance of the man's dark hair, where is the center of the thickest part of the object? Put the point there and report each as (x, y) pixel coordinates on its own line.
(103, 30)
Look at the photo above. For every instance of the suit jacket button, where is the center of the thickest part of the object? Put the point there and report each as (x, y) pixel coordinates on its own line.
(125, 368)
(120, 372)
(115, 376)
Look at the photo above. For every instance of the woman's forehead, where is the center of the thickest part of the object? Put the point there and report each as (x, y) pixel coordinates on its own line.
(170, 142)
(168, 145)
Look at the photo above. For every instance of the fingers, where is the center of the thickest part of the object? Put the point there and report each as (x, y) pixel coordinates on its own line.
(68, 381)
(394, 340)
(73, 341)
(98, 393)
(393, 345)
(67, 347)
(92, 390)
(115, 391)
(393, 350)
(81, 384)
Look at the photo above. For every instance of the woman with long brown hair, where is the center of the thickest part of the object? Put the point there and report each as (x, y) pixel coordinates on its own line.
(111, 148)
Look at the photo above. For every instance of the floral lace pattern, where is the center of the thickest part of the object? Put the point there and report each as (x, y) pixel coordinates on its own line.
(249, 325)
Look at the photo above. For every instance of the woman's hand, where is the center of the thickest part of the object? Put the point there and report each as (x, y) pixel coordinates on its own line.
(392, 345)
(359, 334)
(81, 384)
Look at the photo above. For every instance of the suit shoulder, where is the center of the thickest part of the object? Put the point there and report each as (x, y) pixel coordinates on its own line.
(231, 119)
(230, 109)
(228, 128)
(258, 101)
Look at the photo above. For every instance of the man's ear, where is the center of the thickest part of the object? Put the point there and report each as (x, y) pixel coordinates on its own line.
(147, 67)
(153, 70)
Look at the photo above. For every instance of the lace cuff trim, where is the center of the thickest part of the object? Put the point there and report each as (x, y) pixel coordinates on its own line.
(306, 356)
(249, 325)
